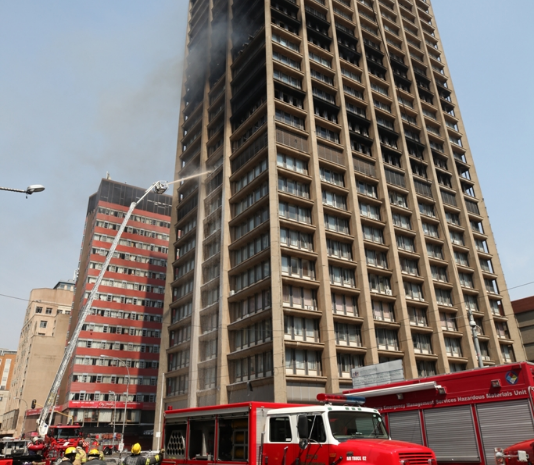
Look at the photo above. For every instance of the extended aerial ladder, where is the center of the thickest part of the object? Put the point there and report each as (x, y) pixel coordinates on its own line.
(47, 412)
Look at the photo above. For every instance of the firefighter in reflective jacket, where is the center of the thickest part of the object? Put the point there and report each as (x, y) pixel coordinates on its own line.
(135, 458)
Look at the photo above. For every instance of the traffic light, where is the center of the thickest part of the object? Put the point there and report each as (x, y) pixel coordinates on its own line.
(34, 402)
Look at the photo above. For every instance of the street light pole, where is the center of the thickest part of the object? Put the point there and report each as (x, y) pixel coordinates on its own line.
(127, 395)
(24, 418)
(114, 419)
(473, 325)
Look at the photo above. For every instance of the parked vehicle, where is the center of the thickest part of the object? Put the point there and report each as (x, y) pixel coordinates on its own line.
(285, 434)
(461, 416)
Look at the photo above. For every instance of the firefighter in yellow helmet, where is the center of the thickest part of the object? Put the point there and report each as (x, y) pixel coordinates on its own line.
(96, 457)
(70, 456)
(135, 458)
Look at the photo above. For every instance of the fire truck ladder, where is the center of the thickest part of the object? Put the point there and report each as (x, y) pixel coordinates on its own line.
(43, 422)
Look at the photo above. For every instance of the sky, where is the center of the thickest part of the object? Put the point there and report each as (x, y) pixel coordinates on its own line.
(93, 86)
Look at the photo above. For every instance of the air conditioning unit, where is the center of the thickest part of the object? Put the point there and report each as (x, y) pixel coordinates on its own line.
(388, 292)
(232, 293)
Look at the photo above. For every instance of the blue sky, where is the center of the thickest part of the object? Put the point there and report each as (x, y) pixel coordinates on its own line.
(88, 87)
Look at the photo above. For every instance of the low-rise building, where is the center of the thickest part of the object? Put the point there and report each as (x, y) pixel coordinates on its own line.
(41, 347)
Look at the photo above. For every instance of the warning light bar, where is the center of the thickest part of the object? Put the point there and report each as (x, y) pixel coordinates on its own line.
(340, 399)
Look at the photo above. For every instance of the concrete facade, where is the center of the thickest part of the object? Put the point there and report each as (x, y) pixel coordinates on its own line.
(341, 223)
(524, 314)
(41, 346)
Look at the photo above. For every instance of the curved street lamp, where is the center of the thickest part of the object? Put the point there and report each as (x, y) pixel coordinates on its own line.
(28, 191)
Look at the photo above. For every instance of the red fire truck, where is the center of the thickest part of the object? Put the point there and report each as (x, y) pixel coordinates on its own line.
(285, 434)
(461, 416)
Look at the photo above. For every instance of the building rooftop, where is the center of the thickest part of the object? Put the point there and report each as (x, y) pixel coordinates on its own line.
(523, 305)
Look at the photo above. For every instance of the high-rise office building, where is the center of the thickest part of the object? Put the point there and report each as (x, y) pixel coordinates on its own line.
(117, 355)
(341, 223)
(41, 347)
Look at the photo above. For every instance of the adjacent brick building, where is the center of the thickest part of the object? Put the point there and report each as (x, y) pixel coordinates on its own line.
(125, 320)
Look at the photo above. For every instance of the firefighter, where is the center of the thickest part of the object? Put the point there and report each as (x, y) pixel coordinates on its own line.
(135, 458)
(95, 457)
(69, 457)
(81, 455)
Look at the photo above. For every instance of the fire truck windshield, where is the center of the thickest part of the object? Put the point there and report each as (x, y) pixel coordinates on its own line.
(351, 424)
(66, 433)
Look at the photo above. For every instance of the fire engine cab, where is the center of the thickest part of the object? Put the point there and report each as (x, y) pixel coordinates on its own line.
(286, 434)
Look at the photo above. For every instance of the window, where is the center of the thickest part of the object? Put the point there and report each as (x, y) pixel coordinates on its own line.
(294, 212)
(496, 307)
(296, 239)
(508, 353)
(344, 304)
(502, 330)
(48, 311)
(298, 267)
(303, 362)
(341, 276)
(42, 324)
(370, 211)
(367, 189)
(413, 291)
(426, 368)
(452, 218)
(448, 321)
(383, 311)
(455, 367)
(332, 177)
(373, 234)
(333, 223)
(339, 249)
(387, 339)
(439, 273)
(443, 297)
(456, 237)
(409, 266)
(379, 284)
(471, 302)
(491, 286)
(466, 280)
(417, 316)
(391, 158)
(334, 200)
(405, 243)
(376, 258)
(293, 164)
(347, 334)
(299, 297)
(430, 230)
(461, 258)
(484, 350)
(398, 199)
(346, 362)
(38, 309)
(301, 329)
(422, 343)
(401, 221)
(293, 187)
(453, 347)
(279, 429)
(426, 209)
